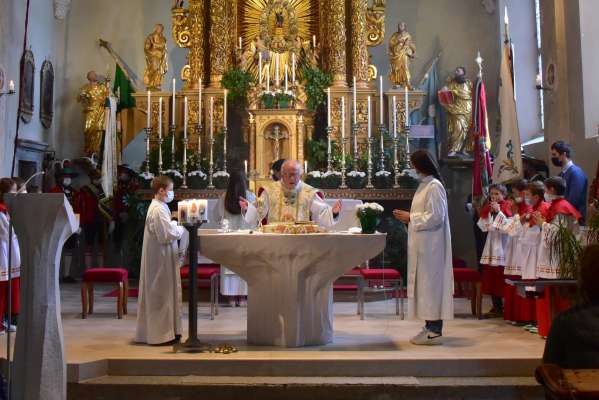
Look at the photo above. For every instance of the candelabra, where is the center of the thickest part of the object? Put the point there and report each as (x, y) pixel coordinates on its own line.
(355, 128)
(382, 132)
(225, 131)
(148, 134)
(9, 92)
(171, 130)
(369, 184)
(329, 152)
(211, 167)
(395, 162)
(185, 141)
(407, 146)
(344, 141)
(160, 155)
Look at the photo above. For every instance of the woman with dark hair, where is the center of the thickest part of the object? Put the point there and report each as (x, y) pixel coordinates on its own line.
(430, 272)
(228, 211)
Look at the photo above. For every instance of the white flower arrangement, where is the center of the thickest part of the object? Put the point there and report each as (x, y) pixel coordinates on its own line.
(290, 93)
(315, 174)
(370, 206)
(382, 173)
(356, 174)
(410, 172)
(146, 176)
(173, 172)
(218, 174)
(331, 173)
(197, 173)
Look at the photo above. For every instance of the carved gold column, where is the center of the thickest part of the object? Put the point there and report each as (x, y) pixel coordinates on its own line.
(337, 31)
(188, 32)
(219, 43)
(359, 46)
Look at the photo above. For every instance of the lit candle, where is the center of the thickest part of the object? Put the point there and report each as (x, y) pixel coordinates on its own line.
(200, 103)
(225, 110)
(268, 77)
(160, 118)
(185, 117)
(245, 166)
(394, 117)
(381, 100)
(369, 129)
(407, 106)
(305, 166)
(240, 47)
(11, 86)
(286, 73)
(260, 68)
(355, 103)
(174, 94)
(149, 110)
(539, 80)
(277, 61)
(293, 69)
(329, 106)
(211, 118)
(343, 117)
(314, 40)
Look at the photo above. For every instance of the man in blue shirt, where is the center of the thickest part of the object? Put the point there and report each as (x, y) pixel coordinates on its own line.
(576, 180)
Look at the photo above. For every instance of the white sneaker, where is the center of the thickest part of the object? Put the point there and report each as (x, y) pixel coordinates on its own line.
(12, 328)
(427, 338)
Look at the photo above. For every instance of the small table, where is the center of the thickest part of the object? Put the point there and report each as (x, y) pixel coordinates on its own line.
(539, 286)
(289, 277)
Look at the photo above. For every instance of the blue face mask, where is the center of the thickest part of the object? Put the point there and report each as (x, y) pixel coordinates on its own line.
(170, 196)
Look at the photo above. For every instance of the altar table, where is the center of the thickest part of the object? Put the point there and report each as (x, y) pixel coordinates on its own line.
(289, 277)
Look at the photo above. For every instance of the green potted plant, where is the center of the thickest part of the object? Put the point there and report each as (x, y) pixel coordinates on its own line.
(331, 180)
(238, 83)
(197, 179)
(369, 215)
(314, 178)
(316, 81)
(356, 179)
(408, 180)
(383, 180)
(283, 99)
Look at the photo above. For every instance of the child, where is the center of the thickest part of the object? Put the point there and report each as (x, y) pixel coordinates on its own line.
(7, 185)
(516, 308)
(492, 215)
(159, 310)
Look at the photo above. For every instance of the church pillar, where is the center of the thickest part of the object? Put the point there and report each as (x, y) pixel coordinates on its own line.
(337, 52)
(359, 49)
(195, 57)
(219, 45)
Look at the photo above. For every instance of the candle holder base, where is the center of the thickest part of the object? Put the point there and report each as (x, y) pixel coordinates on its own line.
(171, 130)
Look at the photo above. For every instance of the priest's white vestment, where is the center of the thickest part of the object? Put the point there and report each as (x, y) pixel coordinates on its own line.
(159, 307)
(430, 269)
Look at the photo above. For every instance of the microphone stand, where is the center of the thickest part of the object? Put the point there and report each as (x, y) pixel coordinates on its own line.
(9, 290)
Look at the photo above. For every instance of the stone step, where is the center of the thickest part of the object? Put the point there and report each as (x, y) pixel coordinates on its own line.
(291, 388)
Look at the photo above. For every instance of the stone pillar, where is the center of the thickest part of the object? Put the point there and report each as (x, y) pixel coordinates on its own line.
(359, 50)
(337, 52)
(219, 43)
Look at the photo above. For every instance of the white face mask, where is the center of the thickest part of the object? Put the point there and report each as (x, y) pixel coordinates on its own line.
(550, 197)
(529, 202)
(170, 196)
(518, 199)
(66, 182)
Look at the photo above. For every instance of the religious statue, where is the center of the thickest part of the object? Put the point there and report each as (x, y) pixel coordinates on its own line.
(156, 61)
(401, 50)
(93, 97)
(456, 99)
(310, 53)
(276, 135)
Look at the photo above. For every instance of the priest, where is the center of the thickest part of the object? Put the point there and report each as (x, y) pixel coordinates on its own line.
(290, 200)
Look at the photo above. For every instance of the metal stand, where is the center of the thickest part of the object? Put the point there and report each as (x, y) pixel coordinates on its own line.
(160, 139)
(193, 344)
(407, 146)
(369, 184)
(148, 134)
(355, 128)
(199, 129)
(329, 149)
(225, 132)
(171, 131)
(395, 163)
(185, 141)
(211, 169)
(382, 132)
(343, 167)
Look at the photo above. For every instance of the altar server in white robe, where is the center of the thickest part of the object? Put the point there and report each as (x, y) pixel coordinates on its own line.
(291, 200)
(430, 270)
(159, 309)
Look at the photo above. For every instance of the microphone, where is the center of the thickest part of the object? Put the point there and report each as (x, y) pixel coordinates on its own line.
(24, 187)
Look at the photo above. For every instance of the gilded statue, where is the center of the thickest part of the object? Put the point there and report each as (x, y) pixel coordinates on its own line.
(456, 99)
(93, 98)
(401, 50)
(156, 61)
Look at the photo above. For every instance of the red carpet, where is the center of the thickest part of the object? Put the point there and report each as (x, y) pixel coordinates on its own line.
(132, 293)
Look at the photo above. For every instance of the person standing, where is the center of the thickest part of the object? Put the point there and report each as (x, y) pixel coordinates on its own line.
(228, 209)
(430, 273)
(576, 180)
(8, 185)
(159, 309)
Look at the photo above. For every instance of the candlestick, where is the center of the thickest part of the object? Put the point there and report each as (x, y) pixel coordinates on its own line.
(369, 184)
(199, 129)
(174, 95)
(329, 149)
(260, 69)
(355, 99)
(407, 106)
(225, 134)
(395, 162)
(343, 144)
(394, 117)
(211, 143)
(149, 109)
(369, 125)
(381, 100)
(225, 109)
(185, 141)
(200, 103)
(382, 131)
(267, 78)
(305, 167)
(292, 69)
(355, 129)
(277, 60)
(148, 134)
(286, 72)
(328, 107)
(160, 136)
(172, 135)
(245, 166)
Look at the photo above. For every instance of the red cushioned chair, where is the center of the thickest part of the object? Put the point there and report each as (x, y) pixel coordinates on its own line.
(206, 273)
(120, 276)
(348, 282)
(463, 275)
(369, 281)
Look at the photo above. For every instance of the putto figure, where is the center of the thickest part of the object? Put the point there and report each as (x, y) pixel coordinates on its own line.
(401, 50)
(156, 61)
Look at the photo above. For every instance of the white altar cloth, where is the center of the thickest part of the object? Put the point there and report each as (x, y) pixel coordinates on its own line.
(290, 299)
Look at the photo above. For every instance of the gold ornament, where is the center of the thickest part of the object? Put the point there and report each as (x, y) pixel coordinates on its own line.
(219, 45)
(375, 23)
(359, 45)
(93, 96)
(156, 61)
(337, 31)
(459, 116)
(401, 51)
(188, 32)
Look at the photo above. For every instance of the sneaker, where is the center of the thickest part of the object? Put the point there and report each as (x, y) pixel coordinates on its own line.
(11, 328)
(427, 338)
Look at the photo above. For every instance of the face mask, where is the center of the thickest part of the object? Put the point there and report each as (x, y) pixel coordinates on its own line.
(170, 196)
(556, 161)
(550, 197)
(518, 199)
(529, 202)
(66, 182)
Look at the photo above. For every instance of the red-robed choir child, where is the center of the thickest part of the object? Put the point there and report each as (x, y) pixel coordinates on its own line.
(493, 217)
(517, 308)
(560, 212)
(7, 185)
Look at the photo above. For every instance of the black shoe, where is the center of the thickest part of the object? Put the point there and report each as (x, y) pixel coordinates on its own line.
(69, 279)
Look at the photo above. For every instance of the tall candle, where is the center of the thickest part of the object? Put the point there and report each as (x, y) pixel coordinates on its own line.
(355, 103)
(277, 60)
(369, 129)
(343, 118)
(149, 110)
(185, 105)
(305, 166)
(211, 118)
(160, 118)
(174, 94)
(293, 69)
(200, 103)
(407, 108)
(394, 117)
(268, 77)
(240, 47)
(286, 72)
(329, 106)
(225, 110)
(260, 68)
(381, 100)
(245, 166)
(314, 40)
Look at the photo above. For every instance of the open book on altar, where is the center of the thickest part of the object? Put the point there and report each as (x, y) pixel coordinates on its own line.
(445, 97)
